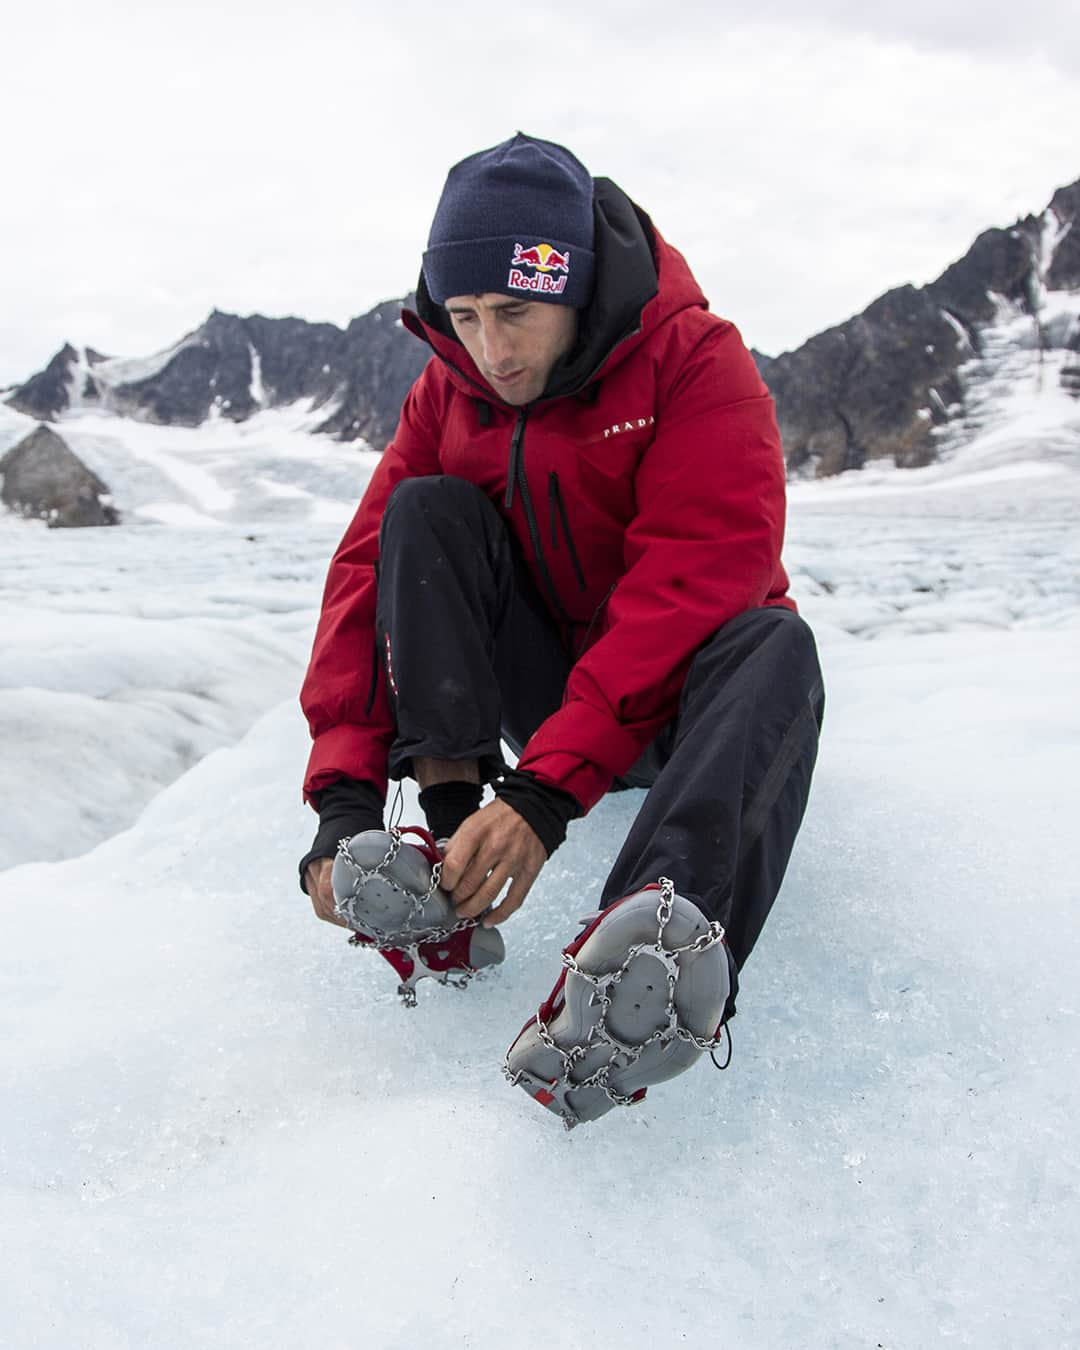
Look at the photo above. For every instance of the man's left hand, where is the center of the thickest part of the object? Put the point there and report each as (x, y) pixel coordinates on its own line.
(493, 846)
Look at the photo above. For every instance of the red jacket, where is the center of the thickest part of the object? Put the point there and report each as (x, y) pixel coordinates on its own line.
(649, 504)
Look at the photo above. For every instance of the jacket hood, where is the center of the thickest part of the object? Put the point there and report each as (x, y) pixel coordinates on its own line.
(640, 281)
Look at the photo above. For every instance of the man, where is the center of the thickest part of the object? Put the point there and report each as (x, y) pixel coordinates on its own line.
(571, 545)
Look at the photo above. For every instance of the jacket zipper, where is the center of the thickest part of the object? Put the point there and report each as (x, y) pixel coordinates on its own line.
(555, 499)
(515, 457)
(516, 477)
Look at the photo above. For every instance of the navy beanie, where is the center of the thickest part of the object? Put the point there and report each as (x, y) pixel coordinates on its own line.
(516, 219)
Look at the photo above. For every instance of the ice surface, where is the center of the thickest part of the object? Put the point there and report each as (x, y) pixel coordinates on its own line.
(128, 654)
(131, 652)
(220, 1129)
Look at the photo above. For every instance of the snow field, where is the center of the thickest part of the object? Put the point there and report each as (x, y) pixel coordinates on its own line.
(268, 468)
(128, 655)
(219, 1127)
(222, 1129)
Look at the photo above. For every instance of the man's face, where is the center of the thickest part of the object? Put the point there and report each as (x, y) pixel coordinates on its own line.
(514, 343)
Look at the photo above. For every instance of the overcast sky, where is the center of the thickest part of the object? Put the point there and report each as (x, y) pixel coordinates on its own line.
(159, 160)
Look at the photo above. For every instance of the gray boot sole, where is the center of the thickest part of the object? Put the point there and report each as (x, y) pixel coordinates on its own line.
(382, 889)
(657, 1002)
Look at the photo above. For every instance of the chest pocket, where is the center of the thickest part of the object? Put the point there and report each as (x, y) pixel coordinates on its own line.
(605, 468)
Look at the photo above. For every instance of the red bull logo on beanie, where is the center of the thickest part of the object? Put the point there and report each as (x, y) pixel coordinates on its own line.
(546, 261)
(541, 256)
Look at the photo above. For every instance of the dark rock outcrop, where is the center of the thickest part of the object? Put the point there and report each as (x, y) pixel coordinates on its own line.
(877, 386)
(381, 360)
(1064, 272)
(46, 394)
(43, 478)
(232, 365)
(871, 388)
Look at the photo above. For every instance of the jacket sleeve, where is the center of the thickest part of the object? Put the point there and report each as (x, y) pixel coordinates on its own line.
(703, 547)
(344, 692)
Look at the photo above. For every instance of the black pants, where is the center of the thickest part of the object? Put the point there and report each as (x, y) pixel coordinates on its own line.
(474, 656)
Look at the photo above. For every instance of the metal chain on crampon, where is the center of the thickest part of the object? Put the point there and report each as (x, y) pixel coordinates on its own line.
(414, 930)
(409, 939)
(626, 1054)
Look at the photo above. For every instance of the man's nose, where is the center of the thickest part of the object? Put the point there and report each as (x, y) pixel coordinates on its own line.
(497, 349)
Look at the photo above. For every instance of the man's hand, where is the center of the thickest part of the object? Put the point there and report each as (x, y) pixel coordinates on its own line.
(494, 845)
(317, 884)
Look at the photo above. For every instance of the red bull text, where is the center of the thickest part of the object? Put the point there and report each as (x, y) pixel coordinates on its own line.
(546, 260)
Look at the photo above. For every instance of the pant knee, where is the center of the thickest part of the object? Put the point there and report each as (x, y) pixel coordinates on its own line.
(768, 648)
(433, 496)
(801, 657)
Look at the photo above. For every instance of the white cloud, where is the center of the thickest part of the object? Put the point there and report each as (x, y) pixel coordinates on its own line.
(1044, 29)
(162, 161)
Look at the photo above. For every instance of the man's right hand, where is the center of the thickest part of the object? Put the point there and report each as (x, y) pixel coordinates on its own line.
(317, 884)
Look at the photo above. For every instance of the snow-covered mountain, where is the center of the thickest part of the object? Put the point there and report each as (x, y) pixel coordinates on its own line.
(234, 368)
(905, 381)
(890, 384)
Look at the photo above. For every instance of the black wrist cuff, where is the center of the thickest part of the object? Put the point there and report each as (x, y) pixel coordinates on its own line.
(548, 810)
(346, 807)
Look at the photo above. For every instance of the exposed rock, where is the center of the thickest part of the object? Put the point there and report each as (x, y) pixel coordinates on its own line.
(1001, 262)
(235, 366)
(232, 367)
(870, 388)
(380, 360)
(1064, 273)
(297, 359)
(42, 477)
(208, 367)
(46, 394)
(764, 363)
(877, 386)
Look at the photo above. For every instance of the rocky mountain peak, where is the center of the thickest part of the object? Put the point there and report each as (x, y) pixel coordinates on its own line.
(231, 366)
(887, 383)
(46, 394)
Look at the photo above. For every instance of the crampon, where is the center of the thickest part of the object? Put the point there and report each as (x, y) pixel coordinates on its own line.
(387, 891)
(639, 1000)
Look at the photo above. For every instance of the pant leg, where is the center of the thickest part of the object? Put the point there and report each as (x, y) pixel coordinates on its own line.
(469, 650)
(721, 817)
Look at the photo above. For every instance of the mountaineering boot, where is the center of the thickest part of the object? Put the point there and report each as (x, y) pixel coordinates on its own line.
(639, 1000)
(388, 892)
